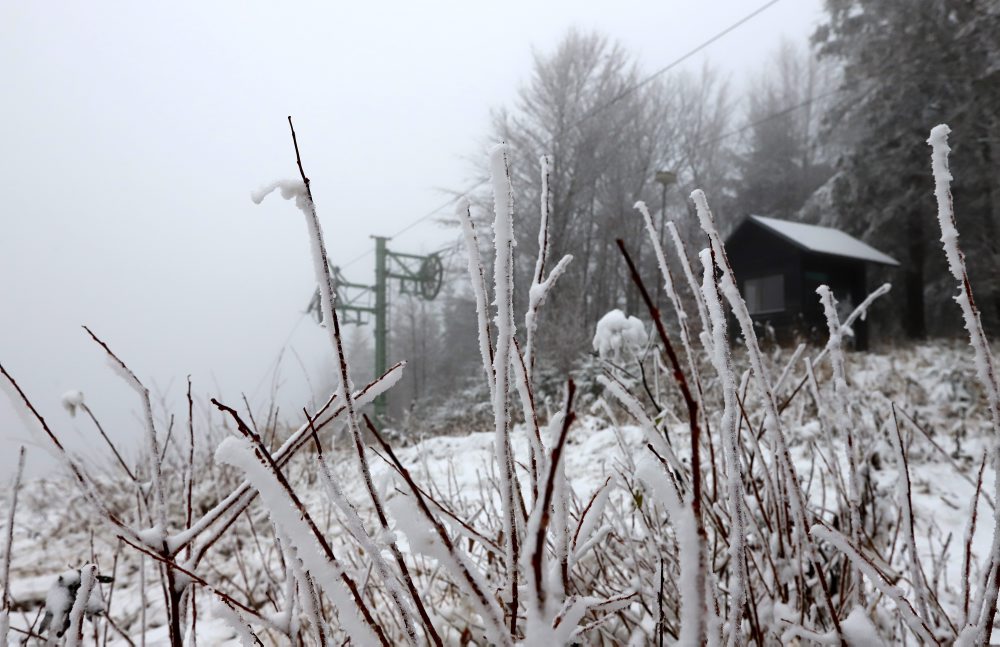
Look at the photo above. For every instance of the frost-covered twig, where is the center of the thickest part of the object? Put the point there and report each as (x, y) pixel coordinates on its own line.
(225, 512)
(114, 450)
(689, 274)
(858, 313)
(909, 615)
(678, 373)
(723, 362)
(237, 623)
(682, 317)
(305, 202)
(436, 540)
(503, 292)
(88, 578)
(983, 614)
(158, 536)
(690, 547)
(668, 284)
(699, 579)
(970, 531)
(522, 381)
(356, 527)
(772, 416)
(906, 522)
(155, 466)
(8, 547)
(477, 279)
(540, 285)
(287, 511)
(844, 425)
(539, 606)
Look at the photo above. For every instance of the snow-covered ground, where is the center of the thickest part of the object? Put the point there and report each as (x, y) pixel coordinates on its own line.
(939, 409)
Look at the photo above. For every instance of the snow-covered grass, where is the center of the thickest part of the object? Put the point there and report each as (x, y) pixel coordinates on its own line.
(706, 493)
(932, 383)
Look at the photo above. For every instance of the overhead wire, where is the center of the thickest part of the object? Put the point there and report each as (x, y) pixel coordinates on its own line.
(589, 114)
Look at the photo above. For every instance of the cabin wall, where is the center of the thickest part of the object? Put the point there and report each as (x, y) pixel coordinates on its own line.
(756, 253)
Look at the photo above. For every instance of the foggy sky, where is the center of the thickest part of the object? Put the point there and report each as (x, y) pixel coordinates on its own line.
(131, 135)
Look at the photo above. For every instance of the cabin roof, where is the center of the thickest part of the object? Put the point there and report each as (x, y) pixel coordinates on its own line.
(823, 240)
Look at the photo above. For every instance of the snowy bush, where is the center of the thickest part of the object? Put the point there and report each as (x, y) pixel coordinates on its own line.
(707, 495)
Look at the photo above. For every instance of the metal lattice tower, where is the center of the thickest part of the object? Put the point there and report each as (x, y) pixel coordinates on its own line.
(418, 275)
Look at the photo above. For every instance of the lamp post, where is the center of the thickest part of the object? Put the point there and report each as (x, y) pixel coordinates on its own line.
(665, 178)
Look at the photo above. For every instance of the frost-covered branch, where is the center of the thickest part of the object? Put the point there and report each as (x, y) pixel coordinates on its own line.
(8, 547)
(985, 368)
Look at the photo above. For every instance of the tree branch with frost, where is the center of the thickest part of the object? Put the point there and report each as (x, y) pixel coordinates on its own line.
(722, 360)
(540, 285)
(155, 465)
(8, 547)
(539, 606)
(503, 292)
(304, 201)
(480, 289)
(985, 362)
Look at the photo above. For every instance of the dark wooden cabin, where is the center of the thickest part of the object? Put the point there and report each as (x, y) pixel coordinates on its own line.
(779, 264)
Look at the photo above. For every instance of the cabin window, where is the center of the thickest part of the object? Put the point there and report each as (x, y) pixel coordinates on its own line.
(765, 294)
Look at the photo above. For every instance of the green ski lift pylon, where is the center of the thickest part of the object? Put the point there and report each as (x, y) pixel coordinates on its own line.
(420, 276)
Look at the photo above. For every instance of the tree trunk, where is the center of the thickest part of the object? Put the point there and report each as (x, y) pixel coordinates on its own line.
(915, 324)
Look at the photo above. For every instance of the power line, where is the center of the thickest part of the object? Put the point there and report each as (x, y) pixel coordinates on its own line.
(771, 117)
(450, 201)
(593, 111)
(677, 61)
(731, 133)
(590, 113)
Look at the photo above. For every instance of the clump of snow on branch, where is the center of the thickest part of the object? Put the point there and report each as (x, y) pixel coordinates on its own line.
(619, 336)
(71, 400)
(289, 190)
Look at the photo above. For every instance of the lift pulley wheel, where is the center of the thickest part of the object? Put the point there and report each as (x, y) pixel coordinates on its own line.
(431, 276)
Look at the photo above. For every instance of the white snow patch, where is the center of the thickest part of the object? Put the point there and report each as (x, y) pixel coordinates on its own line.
(825, 240)
(618, 336)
